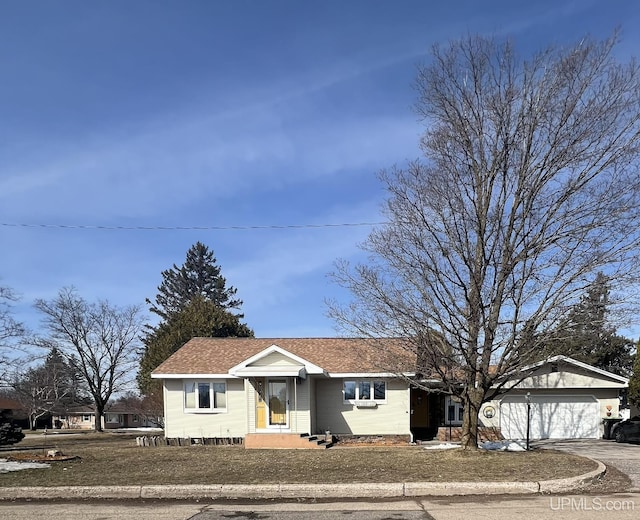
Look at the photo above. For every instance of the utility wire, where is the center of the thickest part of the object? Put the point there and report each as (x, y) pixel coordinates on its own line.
(190, 228)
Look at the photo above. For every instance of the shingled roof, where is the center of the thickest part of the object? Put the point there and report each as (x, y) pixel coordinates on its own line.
(334, 355)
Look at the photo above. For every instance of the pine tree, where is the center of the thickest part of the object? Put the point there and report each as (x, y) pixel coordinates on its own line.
(199, 275)
(587, 334)
(192, 300)
(200, 317)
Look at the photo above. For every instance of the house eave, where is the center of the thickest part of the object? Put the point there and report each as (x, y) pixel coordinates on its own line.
(193, 376)
(361, 375)
(270, 371)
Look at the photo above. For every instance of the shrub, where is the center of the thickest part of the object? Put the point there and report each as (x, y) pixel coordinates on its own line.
(10, 433)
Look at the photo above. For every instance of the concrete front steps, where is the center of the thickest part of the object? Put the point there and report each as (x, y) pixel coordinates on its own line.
(285, 441)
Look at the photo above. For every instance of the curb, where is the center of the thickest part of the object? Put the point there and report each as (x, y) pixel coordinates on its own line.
(288, 491)
(562, 485)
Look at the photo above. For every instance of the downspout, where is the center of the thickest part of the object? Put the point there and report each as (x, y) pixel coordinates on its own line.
(295, 401)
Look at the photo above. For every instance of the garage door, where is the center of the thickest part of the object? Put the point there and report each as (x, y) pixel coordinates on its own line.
(552, 417)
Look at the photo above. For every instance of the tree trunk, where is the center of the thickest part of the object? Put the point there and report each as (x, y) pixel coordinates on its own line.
(472, 401)
(99, 415)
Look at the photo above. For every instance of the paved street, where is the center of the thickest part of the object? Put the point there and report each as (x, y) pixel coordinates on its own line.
(625, 457)
(575, 507)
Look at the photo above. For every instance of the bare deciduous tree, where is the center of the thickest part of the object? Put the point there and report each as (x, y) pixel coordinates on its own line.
(10, 328)
(103, 337)
(529, 186)
(51, 386)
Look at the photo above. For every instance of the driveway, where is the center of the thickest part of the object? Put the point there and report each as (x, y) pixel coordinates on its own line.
(623, 456)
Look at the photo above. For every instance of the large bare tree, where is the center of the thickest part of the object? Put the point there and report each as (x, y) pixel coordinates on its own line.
(528, 186)
(103, 338)
(10, 329)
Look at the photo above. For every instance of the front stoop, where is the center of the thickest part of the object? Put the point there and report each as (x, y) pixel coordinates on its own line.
(285, 441)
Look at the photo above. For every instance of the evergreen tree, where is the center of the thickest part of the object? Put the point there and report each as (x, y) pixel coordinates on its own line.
(200, 317)
(199, 275)
(192, 300)
(587, 334)
(634, 381)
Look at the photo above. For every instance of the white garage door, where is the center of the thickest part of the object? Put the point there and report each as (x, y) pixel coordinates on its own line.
(552, 417)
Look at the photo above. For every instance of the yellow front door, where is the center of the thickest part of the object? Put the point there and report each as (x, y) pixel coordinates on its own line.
(261, 406)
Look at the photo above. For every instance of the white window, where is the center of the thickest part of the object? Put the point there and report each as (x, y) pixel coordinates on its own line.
(205, 396)
(86, 418)
(365, 390)
(454, 411)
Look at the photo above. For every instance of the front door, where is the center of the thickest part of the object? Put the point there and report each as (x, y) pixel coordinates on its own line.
(278, 403)
(261, 406)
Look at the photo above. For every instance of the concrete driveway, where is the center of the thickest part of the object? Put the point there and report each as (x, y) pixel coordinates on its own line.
(623, 456)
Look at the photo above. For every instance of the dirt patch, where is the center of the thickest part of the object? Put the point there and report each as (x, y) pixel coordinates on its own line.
(613, 481)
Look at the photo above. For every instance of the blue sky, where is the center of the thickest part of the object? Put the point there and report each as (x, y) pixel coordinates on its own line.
(220, 114)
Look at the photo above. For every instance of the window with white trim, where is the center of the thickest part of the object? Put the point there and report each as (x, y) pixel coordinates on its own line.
(365, 390)
(454, 411)
(205, 396)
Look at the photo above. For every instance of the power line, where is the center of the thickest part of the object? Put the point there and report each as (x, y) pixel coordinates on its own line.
(189, 228)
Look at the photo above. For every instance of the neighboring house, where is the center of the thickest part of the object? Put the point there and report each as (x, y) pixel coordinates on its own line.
(260, 389)
(76, 418)
(84, 418)
(14, 411)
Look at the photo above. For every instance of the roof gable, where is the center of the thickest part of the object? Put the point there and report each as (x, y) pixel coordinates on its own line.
(274, 358)
(566, 372)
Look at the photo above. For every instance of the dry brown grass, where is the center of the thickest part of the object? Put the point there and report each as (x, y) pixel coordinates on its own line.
(114, 459)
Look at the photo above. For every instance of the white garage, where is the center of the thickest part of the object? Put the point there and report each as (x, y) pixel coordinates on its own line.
(568, 400)
(551, 417)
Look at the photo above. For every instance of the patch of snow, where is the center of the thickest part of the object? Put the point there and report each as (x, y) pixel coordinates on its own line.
(7, 466)
(444, 446)
(502, 446)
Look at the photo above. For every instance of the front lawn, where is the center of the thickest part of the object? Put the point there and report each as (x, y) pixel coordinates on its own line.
(114, 459)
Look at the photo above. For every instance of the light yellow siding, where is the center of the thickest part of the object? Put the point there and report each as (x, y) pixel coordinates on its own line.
(300, 406)
(313, 384)
(251, 406)
(572, 378)
(275, 359)
(232, 423)
(390, 418)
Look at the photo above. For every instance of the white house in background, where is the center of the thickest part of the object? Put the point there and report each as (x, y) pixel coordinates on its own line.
(269, 392)
(84, 418)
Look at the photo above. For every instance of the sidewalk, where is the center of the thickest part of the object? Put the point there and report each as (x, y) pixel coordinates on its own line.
(290, 491)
